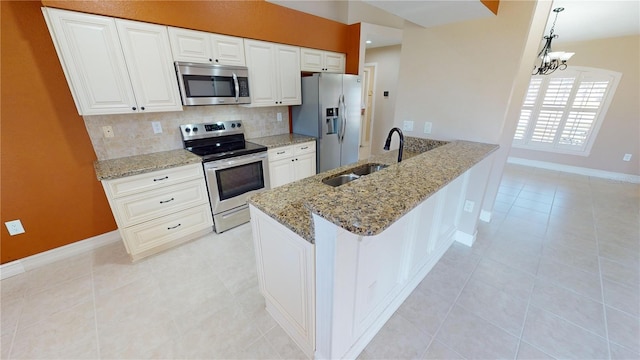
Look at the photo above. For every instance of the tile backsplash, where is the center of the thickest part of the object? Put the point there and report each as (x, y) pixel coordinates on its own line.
(133, 134)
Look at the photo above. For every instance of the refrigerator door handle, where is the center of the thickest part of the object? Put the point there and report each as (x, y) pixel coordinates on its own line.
(343, 117)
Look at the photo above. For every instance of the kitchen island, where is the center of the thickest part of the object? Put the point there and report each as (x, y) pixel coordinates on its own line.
(334, 263)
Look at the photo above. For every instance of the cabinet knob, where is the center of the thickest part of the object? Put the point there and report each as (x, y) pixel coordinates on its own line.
(142, 108)
(133, 108)
(216, 60)
(210, 59)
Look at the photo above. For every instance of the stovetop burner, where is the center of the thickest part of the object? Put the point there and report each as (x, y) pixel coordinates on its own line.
(217, 141)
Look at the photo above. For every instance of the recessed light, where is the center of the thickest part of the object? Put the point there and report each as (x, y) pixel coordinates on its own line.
(368, 41)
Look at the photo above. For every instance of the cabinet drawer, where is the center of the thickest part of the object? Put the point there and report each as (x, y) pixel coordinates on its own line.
(304, 148)
(280, 153)
(134, 209)
(134, 184)
(155, 233)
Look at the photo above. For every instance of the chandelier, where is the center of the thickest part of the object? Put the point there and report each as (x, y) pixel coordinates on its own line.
(551, 60)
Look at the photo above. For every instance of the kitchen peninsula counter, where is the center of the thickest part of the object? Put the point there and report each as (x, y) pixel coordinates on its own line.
(369, 205)
(335, 263)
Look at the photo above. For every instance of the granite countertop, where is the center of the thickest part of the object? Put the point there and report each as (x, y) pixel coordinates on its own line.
(139, 164)
(372, 203)
(275, 141)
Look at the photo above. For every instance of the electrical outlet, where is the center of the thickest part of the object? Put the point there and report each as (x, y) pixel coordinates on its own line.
(15, 227)
(407, 125)
(468, 206)
(626, 157)
(279, 116)
(108, 131)
(427, 127)
(157, 127)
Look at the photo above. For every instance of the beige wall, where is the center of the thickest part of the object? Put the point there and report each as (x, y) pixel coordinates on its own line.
(459, 77)
(387, 61)
(620, 130)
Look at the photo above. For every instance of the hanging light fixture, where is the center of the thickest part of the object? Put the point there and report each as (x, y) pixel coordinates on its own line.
(551, 60)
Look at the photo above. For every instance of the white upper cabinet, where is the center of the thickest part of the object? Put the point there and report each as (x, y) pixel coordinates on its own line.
(203, 47)
(322, 61)
(107, 76)
(148, 56)
(274, 73)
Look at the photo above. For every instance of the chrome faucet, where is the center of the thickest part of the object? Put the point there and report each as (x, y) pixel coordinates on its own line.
(388, 142)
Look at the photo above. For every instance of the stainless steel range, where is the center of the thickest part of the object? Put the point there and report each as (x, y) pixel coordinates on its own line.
(234, 168)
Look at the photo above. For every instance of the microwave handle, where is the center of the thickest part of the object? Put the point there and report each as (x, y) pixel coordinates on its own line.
(237, 86)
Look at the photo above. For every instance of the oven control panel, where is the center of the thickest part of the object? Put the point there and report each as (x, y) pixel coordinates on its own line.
(207, 130)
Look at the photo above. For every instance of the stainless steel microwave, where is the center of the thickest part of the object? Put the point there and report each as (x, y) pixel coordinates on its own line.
(204, 84)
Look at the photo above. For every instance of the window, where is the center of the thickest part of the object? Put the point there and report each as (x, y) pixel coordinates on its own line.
(563, 112)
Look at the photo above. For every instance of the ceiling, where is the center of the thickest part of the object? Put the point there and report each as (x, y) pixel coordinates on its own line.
(581, 20)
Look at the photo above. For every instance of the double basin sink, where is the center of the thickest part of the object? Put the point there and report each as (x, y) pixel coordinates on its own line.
(353, 174)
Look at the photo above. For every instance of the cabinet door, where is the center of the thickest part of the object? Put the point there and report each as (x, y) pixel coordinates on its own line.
(228, 50)
(280, 172)
(262, 76)
(93, 62)
(288, 70)
(304, 166)
(190, 45)
(334, 62)
(311, 60)
(148, 56)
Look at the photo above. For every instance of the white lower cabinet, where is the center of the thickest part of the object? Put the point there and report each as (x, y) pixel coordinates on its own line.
(291, 163)
(157, 210)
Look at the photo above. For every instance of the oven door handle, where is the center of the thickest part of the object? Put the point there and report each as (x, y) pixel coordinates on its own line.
(242, 160)
(236, 86)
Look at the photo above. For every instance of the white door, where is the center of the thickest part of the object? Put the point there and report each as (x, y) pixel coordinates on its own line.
(190, 45)
(368, 91)
(304, 166)
(280, 172)
(228, 50)
(148, 55)
(288, 69)
(93, 62)
(262, 75)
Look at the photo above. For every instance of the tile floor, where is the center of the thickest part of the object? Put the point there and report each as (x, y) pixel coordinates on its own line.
(554, 275)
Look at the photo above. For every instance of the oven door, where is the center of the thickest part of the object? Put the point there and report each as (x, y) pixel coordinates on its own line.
(231, 181)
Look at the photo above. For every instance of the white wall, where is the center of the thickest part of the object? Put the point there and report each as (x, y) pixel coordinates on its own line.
(387, 61)
(620, 130)
(460, 76)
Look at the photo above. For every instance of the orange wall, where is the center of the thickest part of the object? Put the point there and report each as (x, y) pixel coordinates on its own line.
(48, 180)
(50, 184)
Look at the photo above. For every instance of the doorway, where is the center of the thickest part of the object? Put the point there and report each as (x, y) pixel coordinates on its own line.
(366, 118)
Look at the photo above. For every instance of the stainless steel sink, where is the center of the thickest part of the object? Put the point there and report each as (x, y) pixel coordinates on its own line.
(367, 169)
(353, 174)
(340, 179)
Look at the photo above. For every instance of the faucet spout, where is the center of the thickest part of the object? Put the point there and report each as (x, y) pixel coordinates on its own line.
(388, 142)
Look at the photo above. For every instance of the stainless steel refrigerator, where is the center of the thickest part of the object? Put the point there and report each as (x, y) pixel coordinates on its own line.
(330, 112)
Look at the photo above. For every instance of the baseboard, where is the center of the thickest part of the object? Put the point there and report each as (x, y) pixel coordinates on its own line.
(576, 170)
(485, 216)
(64, 252)
(464, 238)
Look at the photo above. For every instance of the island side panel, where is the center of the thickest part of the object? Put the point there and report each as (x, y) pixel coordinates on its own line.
(286, 276)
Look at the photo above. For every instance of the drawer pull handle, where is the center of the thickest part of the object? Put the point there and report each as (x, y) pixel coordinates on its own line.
(304, 148)
(166, 201)
(280, 152)
(164, 178)
(173, 227)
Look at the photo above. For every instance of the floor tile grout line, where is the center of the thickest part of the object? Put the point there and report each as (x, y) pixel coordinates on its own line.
(95, 311)
(453, 304)
(604, 306)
